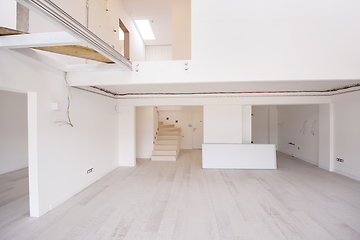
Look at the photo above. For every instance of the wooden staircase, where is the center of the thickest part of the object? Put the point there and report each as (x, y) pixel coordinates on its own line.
(167, 144)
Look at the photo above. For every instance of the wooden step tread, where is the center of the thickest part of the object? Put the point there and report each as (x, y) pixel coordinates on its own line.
(163, 158)
(166, 141)
(167, 137)
(164, 152)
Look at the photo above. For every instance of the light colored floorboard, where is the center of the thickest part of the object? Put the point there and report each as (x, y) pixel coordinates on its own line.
(180, 200)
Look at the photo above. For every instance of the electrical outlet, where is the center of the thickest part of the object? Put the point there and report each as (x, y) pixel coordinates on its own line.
(340, 160)
(89, 170)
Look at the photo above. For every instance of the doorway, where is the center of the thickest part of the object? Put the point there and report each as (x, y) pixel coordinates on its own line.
(18, 141)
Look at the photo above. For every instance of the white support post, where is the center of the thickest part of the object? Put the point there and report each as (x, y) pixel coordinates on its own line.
(127, 136)
(33, 155)
(246, 123)
(325, 137)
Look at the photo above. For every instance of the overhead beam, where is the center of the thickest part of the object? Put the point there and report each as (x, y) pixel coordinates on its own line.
(38, 57)
(38, 40)
(50, 11)
(76, 51)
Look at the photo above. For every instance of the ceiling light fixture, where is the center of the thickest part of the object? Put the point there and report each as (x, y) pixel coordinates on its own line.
(145, 29)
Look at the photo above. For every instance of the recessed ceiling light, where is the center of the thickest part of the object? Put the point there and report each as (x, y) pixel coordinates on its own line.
(145, 29)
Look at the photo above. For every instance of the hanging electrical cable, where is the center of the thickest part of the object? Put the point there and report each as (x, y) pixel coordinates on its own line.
(69, 97)
(313, 127)
(303, 130)
(116, 107)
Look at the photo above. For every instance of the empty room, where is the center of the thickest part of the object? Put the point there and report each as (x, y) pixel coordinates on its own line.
(179, 119)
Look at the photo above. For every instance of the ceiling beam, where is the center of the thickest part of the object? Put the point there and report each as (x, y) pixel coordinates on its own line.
(51, 12)
(38, 40)
(41, 58)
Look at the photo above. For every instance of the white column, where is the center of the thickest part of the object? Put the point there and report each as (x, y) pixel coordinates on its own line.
(325, 137)
(273, 126)
(127, 136)
(144, 131)
(33, 155)
(246, 124)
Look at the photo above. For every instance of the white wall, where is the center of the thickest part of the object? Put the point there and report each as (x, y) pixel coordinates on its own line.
(13, 131)
(64, 154)
(144, 131)
(223, 124)
(295, 125)
(185, 118)
(276, 39)
(346, 119)
(158, 53)
(8, 14)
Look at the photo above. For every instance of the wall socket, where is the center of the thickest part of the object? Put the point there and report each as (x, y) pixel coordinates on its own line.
(89, 170)
(340, 160)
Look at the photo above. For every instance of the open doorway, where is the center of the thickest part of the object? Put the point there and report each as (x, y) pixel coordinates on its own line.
(189, 119)
(293, 128)
(14, 177)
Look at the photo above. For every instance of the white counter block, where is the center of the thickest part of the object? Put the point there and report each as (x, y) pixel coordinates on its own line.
(239, 156)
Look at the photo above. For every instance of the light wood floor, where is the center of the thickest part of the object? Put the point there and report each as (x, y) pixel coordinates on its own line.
(179, 200)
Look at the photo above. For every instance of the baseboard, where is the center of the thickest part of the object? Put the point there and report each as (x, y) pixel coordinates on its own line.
(301, 158)
(2, 171)
(347, 175)
(324, 167)
(73, 193)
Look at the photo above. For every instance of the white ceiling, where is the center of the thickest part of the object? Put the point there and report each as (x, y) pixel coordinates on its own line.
(158, 12)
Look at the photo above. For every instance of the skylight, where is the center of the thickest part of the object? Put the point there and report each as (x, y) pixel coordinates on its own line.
(145, 29)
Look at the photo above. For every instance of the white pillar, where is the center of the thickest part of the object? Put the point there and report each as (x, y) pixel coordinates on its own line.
(127, 136)
(273, 126)
(325, 137)
(33, 155)
(246, 124)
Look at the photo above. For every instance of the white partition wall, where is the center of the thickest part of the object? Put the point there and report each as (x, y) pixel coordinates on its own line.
(239, 156)
(225, 128)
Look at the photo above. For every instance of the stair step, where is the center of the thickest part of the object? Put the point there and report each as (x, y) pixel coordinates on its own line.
(166, 147)
(169, 133)
(168, 137)
(164, 152)
(167, 126)
(163, 158)
(166, 141)
(169, 129)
